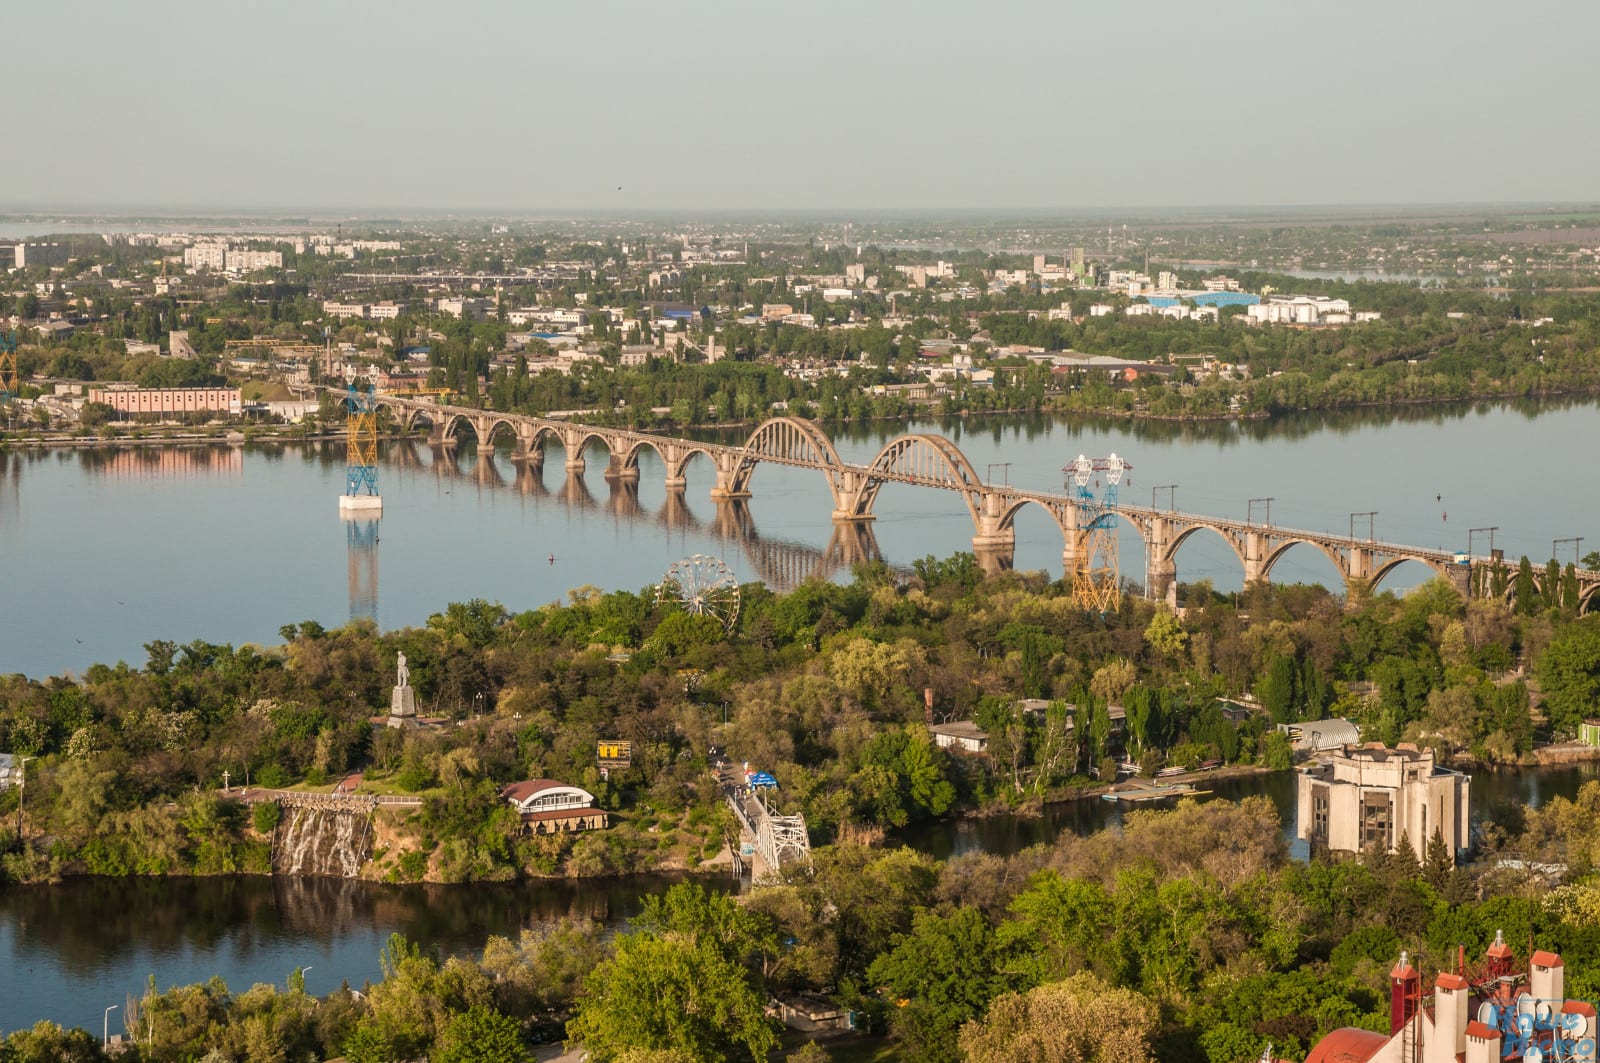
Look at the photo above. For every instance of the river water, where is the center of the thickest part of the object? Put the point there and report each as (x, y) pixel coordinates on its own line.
(102, 551)
(106, 550)
(73, 949)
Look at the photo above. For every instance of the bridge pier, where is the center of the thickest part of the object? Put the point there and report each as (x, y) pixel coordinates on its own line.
(1254, 557)
(1161, 578)
(616, 470)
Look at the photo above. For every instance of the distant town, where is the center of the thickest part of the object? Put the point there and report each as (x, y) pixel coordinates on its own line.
(242, 326)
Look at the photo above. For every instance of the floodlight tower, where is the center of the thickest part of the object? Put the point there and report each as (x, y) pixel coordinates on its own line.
(1096, 571)
(361, 472)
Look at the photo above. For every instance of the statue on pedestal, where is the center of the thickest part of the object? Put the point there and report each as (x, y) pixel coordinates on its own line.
(402, 700)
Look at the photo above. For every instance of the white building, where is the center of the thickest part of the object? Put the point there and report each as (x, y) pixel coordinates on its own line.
(467, 309)
(247, 261)
(963, 735)
(212, 255)
(25, 255)
(1370, 795)
(342, 310)
(1299, 310)
(385, 311)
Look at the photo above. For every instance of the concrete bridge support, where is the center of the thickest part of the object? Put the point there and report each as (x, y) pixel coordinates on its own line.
(1255, 556)
(991, 536)
(618, 468)
(853, 495)
(530, 446)
(731, 478)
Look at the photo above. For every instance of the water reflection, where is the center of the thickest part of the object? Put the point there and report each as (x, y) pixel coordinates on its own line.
(782, 564)
(361, 549)
(87, 942)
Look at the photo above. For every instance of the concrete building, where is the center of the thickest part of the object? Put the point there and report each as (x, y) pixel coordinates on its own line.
(466, 309)
(1299, 310)
(25, 255)
(963, 735)
(550, 807)
(343, 310)
(178, 345)
(212, 255)
(247, 261)
(168, 402)
(10, 772)
(1481, 1012)
(1370, 795)
(385, 311)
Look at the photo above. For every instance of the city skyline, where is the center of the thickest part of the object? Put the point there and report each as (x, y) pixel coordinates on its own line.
(634, 108)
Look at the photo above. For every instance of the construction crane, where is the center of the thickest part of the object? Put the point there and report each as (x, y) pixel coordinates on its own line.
(1096, 572)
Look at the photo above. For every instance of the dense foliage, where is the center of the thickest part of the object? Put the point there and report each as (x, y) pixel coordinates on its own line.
(827, 686)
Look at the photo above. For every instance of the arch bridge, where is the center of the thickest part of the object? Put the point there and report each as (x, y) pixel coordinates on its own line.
(926, 460)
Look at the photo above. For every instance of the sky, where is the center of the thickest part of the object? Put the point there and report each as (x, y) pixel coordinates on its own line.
(530, 106)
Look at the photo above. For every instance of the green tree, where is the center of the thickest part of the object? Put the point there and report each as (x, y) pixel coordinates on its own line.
(480, 1035)
(1080, 1020)
(665, 994)
(1569, 674)
(1527, 594)
(939, 976)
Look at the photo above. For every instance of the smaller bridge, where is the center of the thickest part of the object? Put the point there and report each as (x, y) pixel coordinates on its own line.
(778, 839)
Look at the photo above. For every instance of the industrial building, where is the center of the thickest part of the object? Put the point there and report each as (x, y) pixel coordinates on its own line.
(169, 402)
(1478, 1013)
(1370, 795)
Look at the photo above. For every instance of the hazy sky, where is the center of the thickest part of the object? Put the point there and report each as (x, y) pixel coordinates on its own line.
(533, 105)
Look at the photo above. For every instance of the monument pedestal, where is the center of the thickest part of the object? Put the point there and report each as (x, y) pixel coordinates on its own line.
(403, 707)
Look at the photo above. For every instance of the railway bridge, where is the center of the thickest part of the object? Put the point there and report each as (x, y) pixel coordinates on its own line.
(932, 461)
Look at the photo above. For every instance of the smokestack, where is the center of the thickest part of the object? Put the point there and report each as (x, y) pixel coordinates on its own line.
(1483, 1043)
(1547, 979)
(1449, 1019)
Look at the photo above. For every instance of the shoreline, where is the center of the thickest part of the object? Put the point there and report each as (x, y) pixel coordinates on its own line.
(285, 434)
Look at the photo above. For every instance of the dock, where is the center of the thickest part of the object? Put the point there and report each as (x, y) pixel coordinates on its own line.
(1142, 791)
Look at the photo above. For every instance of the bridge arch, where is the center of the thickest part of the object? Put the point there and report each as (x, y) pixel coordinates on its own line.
(498, 427)
(1008, 516)
(792, 439)
(1169, 556)
(786, 441)
(1393, 563)
(1272, 559)
(923, 459)
(1589, 599)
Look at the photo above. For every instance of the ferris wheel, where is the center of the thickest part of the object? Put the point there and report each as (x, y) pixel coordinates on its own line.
(702, 586)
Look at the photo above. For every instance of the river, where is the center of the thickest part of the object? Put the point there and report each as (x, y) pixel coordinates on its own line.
(105, 550)
(75, 948)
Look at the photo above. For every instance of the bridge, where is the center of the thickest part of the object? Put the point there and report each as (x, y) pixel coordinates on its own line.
(926, 460)
(778, 839)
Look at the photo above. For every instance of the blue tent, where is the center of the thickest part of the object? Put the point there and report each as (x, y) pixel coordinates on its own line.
(762, 779)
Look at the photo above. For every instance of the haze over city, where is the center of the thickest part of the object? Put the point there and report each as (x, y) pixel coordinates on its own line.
(831, 106)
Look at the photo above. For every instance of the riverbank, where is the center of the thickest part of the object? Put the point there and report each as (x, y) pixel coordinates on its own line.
(1039, 806)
